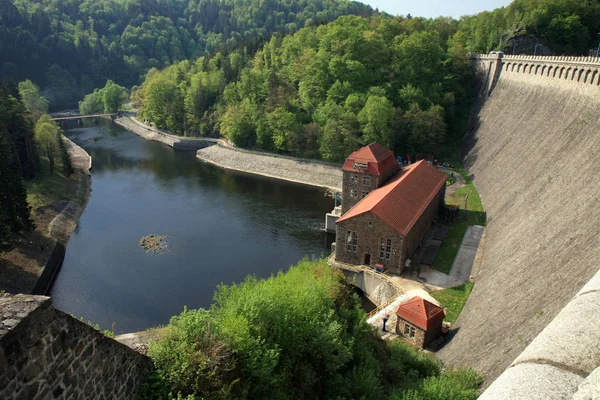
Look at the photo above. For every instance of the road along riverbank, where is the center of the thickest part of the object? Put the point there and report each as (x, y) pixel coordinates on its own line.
(32, 261)
(220, 153)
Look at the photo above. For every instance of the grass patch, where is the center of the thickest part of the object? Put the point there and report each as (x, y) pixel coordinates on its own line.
(45, 190)
(453, 300)
(474, 215)
(451, 180)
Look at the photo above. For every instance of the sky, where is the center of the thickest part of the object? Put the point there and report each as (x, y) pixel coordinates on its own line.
(435, 8)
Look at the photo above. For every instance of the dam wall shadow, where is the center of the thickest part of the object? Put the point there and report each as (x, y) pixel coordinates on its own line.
(534, 153)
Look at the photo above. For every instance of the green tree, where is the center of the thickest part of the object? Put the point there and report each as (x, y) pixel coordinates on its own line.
(65, 157)
(297, 335)
(113, 96)
(46, 137)
(92, 103)
(282, 124)
(14, 210)
(376, 121)
(35, 104)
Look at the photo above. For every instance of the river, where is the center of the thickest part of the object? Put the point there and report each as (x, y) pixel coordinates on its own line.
(221, 227)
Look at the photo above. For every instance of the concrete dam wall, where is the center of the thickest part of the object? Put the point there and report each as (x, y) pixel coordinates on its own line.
(534, 154)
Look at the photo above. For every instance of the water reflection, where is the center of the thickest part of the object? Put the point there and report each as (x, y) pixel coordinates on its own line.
(222, 226)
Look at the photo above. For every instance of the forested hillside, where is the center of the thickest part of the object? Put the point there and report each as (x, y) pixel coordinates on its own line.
(563, 27)
(323, 91)
(69, 47)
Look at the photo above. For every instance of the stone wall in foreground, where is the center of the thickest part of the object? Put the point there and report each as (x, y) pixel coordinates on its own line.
(534, 154)
(47, 354)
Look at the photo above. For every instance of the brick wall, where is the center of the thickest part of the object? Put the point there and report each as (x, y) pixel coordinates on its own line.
(418, 339)
(348, 185)
(370, 230)
(47, 354)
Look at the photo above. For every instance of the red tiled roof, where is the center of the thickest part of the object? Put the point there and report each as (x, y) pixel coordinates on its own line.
(403, 200)
(376, 157)
(420, 312)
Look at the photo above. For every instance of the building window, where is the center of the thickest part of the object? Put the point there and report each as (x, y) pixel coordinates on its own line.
(412, 332)
(366, 180)
(385, 249)
(354, 178)
(353, 193)
(406, 330)
(352, 242)
(365, 193)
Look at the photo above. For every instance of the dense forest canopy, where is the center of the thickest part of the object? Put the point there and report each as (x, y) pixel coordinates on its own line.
(69, 47)
(564, 27)
(323, 91)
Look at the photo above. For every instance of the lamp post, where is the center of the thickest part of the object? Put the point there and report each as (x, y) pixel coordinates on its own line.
(535, 49)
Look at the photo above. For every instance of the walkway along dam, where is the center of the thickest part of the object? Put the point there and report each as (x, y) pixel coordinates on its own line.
(533, 151)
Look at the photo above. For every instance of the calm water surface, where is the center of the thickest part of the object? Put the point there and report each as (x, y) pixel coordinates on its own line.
(221, 226)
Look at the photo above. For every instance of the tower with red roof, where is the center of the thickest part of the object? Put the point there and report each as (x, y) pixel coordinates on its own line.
(364, 171)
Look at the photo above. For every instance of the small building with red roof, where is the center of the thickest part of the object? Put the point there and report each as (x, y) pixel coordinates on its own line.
(419, 321)
(385, 226)
(364, 171)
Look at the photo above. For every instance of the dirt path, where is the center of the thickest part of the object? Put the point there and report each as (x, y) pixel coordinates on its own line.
(24, 260)
(460, 181)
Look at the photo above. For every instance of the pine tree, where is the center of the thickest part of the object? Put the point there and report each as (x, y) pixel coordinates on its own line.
(65, 157)
(14, 211)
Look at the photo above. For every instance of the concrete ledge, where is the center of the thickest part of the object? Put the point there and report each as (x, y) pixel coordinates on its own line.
(592, 285)
(561, 357)
(571, 339)
(532, 382)
(590, 388)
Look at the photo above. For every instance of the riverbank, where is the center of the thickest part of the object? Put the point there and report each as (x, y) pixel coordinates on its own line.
(156, 135)
(57, 203)
(218, 152)
(306, 172)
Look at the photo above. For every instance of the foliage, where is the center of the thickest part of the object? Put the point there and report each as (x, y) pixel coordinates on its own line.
(108, 99)
(323, 91)
(47, 139)
(19, 130)
(565, 26)
(453, 299)
(69, 47)
(15, 137)
(299, 334)
(65, 157)
(35, 104)
(14, 210)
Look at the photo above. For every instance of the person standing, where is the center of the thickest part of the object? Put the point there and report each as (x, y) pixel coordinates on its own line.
(385, 318)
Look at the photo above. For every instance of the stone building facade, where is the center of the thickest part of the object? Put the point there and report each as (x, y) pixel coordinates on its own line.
(364, 171)
(419, 321)
(47, 354)
(385, 228)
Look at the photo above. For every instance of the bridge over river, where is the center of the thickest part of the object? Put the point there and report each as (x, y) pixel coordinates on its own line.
(77, 117)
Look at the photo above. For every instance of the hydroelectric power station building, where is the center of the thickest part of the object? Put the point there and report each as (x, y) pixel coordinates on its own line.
(386, 209)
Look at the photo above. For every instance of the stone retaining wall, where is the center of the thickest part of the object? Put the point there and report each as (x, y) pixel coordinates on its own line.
(313, 173)
(47, 354)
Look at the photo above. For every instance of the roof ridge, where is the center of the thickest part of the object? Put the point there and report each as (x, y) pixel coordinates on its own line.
(390, 185)
(424, 204)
